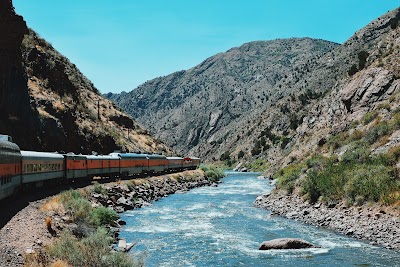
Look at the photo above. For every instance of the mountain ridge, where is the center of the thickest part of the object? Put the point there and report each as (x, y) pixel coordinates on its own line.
(236, 67)
(216, 131)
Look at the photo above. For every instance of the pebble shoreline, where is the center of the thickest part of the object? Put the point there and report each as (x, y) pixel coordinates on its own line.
(378, 224)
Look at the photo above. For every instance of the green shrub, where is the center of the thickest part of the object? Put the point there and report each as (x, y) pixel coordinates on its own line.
(395, 121)
(99, 189)
(74, 202)
(370, 116)
(92, 251)
(287, 177)
(377, 132)
(338, 140)
(369, 182)
(356, 135)
(384, 106)
(259, 165)
(103, 216)
(310, 187)
(225, 156)
(213, 173)
(369, 179)
(357, 152)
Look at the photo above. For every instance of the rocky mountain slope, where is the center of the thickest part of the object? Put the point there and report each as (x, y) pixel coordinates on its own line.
(270, 100)
(203, 109)
(48, 104)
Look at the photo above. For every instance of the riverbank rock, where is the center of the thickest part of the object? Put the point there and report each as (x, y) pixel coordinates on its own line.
(286, 243)
(124, 246)
(373, 222)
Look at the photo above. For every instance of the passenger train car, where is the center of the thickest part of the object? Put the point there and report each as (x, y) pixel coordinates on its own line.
(21, 169)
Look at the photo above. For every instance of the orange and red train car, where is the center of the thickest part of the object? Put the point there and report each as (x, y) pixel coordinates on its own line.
(20, 169)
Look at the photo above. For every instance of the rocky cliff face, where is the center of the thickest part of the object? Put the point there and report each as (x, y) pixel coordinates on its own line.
(201, 109)
(14, 98)
(370, 88)
(47, 103)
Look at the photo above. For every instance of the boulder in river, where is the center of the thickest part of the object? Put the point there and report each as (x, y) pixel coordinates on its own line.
(286, 243)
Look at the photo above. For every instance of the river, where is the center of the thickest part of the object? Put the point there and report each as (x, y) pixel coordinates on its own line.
(218, 226)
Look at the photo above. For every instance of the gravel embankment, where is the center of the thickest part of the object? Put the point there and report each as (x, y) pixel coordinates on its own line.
(378, 224)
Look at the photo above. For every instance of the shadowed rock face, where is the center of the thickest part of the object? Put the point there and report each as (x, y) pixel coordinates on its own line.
(12, 79)
(15, 113)
(286, 243)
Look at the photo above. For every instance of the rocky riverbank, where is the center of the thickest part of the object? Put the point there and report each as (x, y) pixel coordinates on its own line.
(378, 224)
(42, 221)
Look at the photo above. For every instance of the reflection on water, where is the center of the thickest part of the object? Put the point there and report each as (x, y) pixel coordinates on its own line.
(218, 226)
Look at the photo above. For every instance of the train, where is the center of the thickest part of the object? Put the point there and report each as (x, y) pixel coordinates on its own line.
(21, 170)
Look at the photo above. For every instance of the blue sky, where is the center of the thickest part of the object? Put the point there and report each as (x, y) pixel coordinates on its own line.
(121, 44)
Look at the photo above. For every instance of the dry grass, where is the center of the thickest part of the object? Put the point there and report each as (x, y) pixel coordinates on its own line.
(60, 263)
(138, 181)
(54, 204)
(49, 222)
(384, 140)
(36, 260)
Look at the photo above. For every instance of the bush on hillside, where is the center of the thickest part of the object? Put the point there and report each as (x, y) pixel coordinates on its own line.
(287, 177)
(356, 179)
(369, 116)
(357, 152)
(377, 132)
(369, 183)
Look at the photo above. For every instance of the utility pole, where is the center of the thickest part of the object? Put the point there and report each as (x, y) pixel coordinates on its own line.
(98, 109)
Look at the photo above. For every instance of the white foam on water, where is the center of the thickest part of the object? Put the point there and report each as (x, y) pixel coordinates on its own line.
(294, 253)
(338, 242)
(170, 227)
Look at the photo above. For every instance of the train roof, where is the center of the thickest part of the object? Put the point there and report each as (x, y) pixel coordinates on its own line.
(175, 158)
(72, 155)
(132, 155)
(9, 146)
(111, 156)
(34, 154)
(156, 156)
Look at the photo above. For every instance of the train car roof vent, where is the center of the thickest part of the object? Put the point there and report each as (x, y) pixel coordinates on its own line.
(5, 138)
